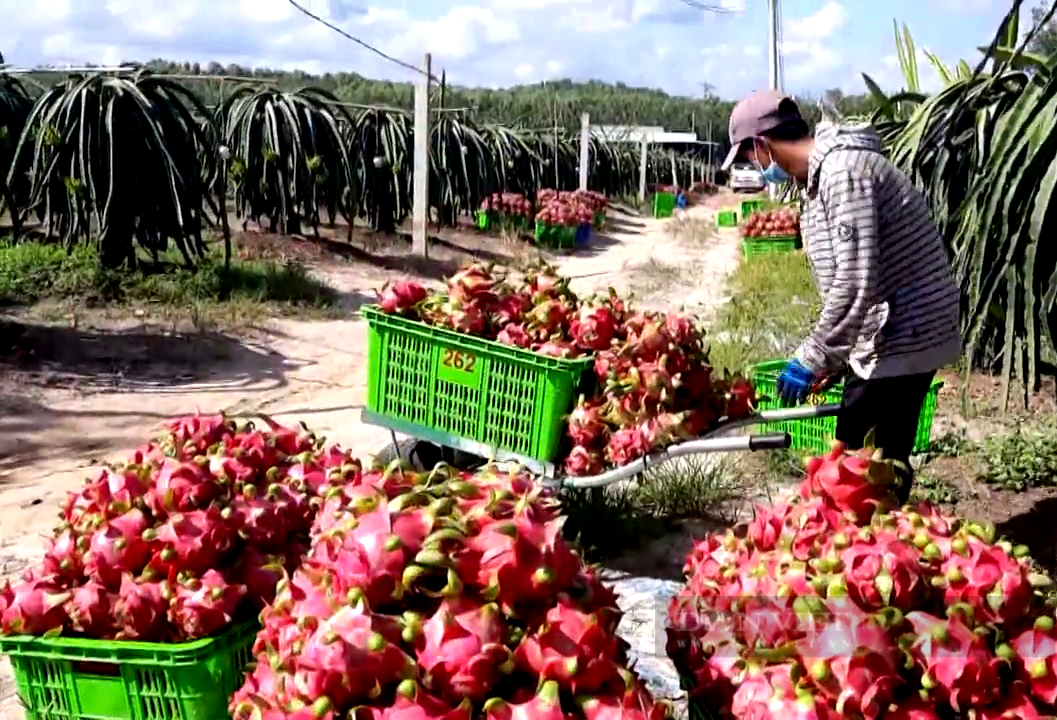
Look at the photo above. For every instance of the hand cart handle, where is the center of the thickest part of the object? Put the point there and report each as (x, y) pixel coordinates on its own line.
(770, 441)
(713, 442)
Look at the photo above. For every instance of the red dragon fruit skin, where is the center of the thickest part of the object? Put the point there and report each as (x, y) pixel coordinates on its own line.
(142, 609)
(989, 579)
(411, 702)
(883, 572)
(192, 542)
(1036, 660)
(855, 662)
(574, 648)
(957, 664)
(35, 607)
(1014, 705)
(545, 705)
(462, 649)
(912, 709)
(90, 610)
(206, 605)
(111, 554)
(594, 328)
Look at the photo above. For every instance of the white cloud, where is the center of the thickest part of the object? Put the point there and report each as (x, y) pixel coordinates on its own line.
(806, 51)
(823, 25)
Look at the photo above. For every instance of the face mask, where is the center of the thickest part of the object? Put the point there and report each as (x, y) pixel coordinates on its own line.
(773, 173)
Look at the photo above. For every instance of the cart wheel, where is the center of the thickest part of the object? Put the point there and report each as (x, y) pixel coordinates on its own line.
(425, 455)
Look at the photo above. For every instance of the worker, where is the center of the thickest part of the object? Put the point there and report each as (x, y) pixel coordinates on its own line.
(890, 302)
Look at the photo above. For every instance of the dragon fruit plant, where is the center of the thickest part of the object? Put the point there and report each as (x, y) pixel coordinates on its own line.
(441, 595)
(836, 604)
(654, 385)
(191, 534)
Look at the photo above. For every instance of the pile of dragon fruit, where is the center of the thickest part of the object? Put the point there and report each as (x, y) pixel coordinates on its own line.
(508, 204)
(441, 595)
(654, 382)
(839, 605)
(189, 535)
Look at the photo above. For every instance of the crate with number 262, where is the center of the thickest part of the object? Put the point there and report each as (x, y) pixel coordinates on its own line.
(461, 391)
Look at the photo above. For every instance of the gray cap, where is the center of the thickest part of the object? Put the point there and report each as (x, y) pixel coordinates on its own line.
(756, 115)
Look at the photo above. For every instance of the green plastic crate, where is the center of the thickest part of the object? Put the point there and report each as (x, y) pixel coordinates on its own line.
(727, 218)
(768, 246)
(599, 221)
(66, 678)
(817, 434)
(748, 207)
(440, 385)
(485, 219)
(663, 204)
(555, 236)
(515, 222)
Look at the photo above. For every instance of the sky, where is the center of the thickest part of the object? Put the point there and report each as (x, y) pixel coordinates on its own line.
(496, 43)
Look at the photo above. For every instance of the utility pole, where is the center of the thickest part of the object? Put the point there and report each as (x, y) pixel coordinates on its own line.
(772, 45)
(708, 168)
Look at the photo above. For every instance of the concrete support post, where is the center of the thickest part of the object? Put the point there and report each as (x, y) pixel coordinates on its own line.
(585, 148)
(642, 170)
(420, 197)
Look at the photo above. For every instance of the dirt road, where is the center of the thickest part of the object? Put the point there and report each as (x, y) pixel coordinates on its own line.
(52, 432)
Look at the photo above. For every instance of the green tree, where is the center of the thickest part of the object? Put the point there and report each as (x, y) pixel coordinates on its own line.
(1045, 41)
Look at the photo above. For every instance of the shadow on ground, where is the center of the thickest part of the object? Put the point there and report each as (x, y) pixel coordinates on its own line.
(139, 358)
(663, 557)
(1035, 528)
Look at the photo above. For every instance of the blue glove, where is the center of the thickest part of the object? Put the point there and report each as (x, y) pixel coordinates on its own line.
(794, 384)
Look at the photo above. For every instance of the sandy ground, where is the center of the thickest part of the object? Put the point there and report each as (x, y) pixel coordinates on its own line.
(53, 430)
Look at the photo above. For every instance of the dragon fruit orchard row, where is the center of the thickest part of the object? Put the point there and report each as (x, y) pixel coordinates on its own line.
(837, 605)
(654, 383)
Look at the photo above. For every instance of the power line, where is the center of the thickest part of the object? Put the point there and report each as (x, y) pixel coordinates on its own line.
(707, 7)
(361, 43)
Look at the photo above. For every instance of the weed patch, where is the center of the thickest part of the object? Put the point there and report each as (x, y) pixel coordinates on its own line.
(773, 306)
(34, 272)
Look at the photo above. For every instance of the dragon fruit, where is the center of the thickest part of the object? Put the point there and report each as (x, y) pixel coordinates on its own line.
(858, 483)
(413, 703)
(883, 571)
(594, 328)
(142, 609)
(574, 648)
(115, 550)
(581, 461)
(544, 705)
(190, 542)
(957, 664)
(202, 606)
(855, 663)
(1036, 660)
(402, 296)
(993, 582)
(35, 607)
(586, 423)
(462, 649)
(90, 609)
(627, 445)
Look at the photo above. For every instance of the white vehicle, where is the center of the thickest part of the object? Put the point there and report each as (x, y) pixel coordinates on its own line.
(745, 177)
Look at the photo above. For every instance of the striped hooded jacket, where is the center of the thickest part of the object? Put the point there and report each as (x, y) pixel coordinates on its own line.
(890, 303)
